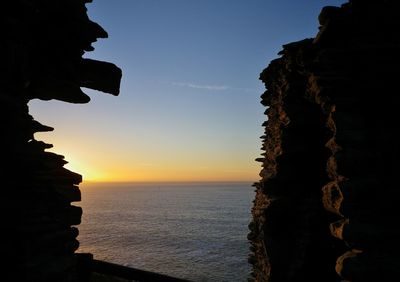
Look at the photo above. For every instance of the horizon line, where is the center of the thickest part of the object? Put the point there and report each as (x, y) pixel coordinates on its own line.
(165, 181)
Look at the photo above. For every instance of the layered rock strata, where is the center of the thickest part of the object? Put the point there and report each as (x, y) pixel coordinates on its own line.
(325, 207)
(41, 48)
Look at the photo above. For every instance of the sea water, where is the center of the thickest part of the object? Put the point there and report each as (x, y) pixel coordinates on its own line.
(195, 231)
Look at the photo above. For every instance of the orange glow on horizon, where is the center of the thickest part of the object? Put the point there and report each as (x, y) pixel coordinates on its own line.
(116, 163)
(155, 173)
(167, 175)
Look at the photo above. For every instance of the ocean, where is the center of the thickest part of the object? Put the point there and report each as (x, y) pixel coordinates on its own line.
(194, 231)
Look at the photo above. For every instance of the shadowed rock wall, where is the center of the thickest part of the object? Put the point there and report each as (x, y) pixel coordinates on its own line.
(326, 204)
(41, 48)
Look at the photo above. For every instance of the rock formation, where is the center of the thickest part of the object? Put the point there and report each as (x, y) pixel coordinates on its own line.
(41, 48)
(325, 207)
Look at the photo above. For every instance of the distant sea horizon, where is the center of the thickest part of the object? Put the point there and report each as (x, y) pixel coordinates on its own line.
(155, 182)
(194, 230)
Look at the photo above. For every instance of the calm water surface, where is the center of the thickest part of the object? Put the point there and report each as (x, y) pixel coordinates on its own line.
(192, 231)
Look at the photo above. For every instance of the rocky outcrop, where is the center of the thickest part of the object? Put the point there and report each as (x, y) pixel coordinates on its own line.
(325, 207)
(41, 48)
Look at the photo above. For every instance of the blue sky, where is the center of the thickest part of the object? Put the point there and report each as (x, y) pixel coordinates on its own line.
(189, 104)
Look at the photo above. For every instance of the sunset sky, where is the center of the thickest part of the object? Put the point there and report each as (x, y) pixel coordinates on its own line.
(189, 105)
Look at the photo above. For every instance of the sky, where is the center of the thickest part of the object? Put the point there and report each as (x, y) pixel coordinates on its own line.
(189, 107)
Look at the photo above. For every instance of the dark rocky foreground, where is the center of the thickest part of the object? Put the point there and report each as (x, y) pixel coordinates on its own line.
(41, 48)
(326, 208)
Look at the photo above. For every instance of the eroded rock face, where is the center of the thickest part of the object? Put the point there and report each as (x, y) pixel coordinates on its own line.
(325, 208)
(41, 48)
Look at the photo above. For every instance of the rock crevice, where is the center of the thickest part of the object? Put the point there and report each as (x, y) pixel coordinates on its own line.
(325, 205)
(41, 53)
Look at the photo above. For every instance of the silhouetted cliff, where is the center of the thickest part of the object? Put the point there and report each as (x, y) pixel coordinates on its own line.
(41, 48)
(326, 204)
